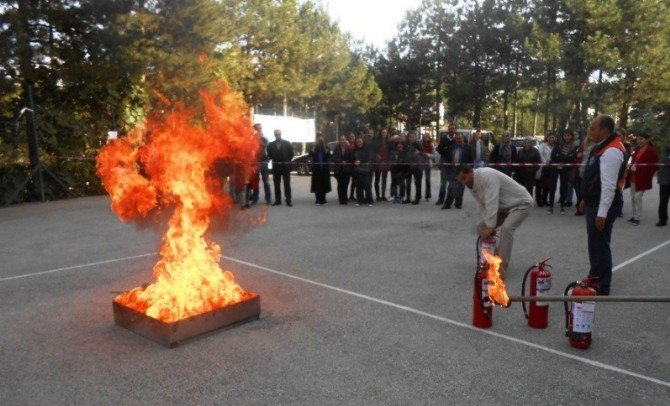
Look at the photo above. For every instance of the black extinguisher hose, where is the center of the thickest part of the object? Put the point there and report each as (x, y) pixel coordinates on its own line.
(523, 290)
(571, 285)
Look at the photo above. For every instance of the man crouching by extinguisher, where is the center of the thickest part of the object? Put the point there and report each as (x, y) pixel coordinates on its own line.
(602, 200)
(503, 203)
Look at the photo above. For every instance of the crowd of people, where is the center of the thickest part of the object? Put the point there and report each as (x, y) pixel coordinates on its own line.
(590, 171)
(370, 168)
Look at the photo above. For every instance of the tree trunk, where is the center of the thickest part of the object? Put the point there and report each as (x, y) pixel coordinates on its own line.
(598, 93)
(25, 54)
(516, 94)
(537, 102)
(506, 99)
(547, 99)
(554, 94)
(623, 114)
(438, 85)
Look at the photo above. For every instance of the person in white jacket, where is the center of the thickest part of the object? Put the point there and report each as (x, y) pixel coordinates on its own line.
(503, 202)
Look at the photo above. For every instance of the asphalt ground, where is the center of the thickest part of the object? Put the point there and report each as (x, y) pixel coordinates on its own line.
(359, 306)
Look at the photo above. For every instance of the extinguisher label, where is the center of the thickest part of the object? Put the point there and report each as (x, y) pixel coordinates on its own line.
(542, 288)
(485, 293)
(582, 316)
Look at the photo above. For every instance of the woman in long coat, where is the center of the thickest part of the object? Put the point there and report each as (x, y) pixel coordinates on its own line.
(320, 170)
(641, 171)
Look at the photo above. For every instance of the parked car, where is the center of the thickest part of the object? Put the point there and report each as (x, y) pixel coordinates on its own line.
(302, 164)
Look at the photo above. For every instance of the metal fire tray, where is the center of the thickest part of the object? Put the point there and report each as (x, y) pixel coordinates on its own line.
(172, 334)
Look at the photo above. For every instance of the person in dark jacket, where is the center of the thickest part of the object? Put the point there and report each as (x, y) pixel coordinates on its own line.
(525, 175)
(664, 185)
(393, 163)
(343, 167)
(320, 155)
(399, 168)
(281, 153)
(549, 176)
(263, 171)
(443, 145)
(381, 147)
(351, 138)
(565, 156)
(363, 173)
(504, 153)
(415, 158)
(458, 153)
(427, 163)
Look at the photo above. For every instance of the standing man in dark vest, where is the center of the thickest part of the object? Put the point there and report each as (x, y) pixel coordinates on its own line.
(601, 190)
(281, 153)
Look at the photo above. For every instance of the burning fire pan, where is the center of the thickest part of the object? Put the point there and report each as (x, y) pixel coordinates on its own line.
(172, 334)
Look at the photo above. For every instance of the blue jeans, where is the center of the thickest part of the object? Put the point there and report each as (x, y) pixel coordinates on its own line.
(600, 253)
(263, 175)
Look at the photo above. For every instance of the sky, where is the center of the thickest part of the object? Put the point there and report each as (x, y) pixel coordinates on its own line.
(374, 21)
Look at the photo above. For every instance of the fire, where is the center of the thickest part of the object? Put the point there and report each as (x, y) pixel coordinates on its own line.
(496, 286)
(178, 161)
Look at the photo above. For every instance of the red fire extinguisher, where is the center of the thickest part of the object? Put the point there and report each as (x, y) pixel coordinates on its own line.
(540, 284)
(579, 316)
(482, 315)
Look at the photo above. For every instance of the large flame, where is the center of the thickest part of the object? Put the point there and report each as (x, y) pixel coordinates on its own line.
(178, 160)
(496, 285)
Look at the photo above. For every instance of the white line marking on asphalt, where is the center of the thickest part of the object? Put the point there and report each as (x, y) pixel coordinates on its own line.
(635, 258)
(397, 306)
(457, 323)
(67, 268)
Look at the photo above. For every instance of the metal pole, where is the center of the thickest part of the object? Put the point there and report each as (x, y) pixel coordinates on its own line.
(630, 299)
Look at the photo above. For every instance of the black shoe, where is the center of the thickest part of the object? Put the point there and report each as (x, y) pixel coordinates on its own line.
(446, 207)
(439, 203)
(662, 223)
(459, 206)
(289, 204)
(407, 201)
(415, 201)
(276, 204)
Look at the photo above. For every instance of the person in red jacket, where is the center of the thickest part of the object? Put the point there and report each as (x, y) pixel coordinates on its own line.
(641, 171)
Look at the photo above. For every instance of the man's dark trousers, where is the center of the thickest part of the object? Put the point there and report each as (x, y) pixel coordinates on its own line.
(664, 193)
(600, 253)
(277, 175)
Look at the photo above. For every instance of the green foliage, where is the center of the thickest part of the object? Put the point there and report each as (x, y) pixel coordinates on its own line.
(96, 66)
